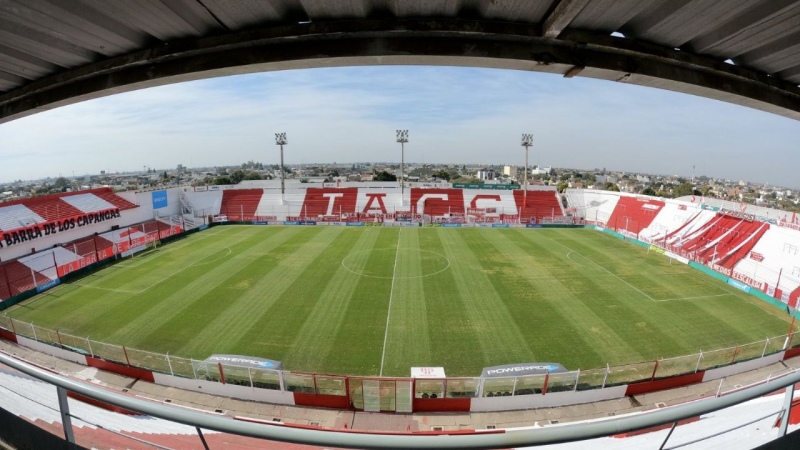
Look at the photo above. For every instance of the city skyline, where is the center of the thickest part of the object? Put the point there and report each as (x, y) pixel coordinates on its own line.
(455, 115)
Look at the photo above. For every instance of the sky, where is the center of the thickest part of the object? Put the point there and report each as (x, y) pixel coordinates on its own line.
(454, 115)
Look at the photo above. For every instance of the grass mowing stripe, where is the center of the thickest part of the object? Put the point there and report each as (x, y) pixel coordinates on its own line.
(318, 299)
(313, 344)
(391, 291)
(240, 288)
(409, 341)
(450, 339)
(193, 297)
(293, 288)
(361, 335)
(486, 317)
(715, 321)
(585, 306)
(101, 313)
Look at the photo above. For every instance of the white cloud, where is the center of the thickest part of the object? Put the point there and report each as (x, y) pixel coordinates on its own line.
(453, 114)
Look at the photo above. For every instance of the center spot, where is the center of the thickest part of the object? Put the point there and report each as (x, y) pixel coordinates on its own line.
(380, 263)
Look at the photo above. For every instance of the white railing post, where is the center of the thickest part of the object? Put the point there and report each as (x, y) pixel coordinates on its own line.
(787, 408)
(169, 363)
(699, 358)
(66, 419)
(765, 348)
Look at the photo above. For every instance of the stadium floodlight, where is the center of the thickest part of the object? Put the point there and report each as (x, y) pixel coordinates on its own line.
(527, 142)
(402, 138)
(280, 139)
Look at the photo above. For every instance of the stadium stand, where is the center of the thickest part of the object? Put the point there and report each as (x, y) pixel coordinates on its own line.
(437, 202)
(240, 204)
(633, 214)
(672, 216)
(593, 206)
(722, 241)
(540, 204)
(14, 217)
(108, 195)
(23, 213)
(329, 202)
(773, 265)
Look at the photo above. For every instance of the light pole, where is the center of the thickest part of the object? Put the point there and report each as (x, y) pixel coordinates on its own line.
(402, 138)
(527, 142)
(280, 139)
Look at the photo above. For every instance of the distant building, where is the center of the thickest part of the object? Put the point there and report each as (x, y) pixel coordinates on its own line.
(510, 171)
(485, 174)
(541, 171)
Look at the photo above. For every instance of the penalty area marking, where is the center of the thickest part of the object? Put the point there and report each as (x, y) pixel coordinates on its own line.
(605, 270)
(694, 298)
(141, 291)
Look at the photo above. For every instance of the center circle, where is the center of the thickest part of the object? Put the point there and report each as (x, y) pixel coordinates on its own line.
(427, 263)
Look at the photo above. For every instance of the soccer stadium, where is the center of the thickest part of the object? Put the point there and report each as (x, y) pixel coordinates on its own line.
(421, 314)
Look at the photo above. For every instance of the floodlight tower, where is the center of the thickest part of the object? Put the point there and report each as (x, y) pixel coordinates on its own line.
(527, 142)
(280, 139)
(402, 138)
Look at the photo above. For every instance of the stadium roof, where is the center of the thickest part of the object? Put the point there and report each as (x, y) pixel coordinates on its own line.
(57, 52)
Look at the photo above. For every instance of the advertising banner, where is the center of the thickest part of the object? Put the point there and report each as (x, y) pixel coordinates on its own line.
(739, 285)
(245, 361)
(159, 199)
(522, 369)
(45, 286)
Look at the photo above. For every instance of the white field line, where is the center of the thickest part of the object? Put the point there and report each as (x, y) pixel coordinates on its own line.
(141, 291)
(605, 270)
(389, 311)
(693, 298)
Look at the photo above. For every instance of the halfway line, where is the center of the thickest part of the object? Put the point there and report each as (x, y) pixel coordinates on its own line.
(391, 293)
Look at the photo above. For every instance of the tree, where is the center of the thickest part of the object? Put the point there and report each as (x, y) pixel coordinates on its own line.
(222, 180)
(648, 191)
(683, 189)
(442, 175)
(611, 187)
(237, 176)
(384, 176)
(562, 186)
(61, 184)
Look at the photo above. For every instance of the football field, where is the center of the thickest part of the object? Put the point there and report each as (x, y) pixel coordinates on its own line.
(376, 301)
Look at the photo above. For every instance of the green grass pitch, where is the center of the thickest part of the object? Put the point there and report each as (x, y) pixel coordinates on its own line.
(376, 301)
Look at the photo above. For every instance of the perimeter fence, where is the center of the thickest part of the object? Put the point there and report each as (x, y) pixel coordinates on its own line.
(357, 386)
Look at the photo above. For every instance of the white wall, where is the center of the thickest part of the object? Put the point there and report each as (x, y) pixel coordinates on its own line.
(510, 403)
(226, 390)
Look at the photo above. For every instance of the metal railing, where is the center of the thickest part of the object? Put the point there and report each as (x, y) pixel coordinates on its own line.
(512, 437)
(577, 380)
